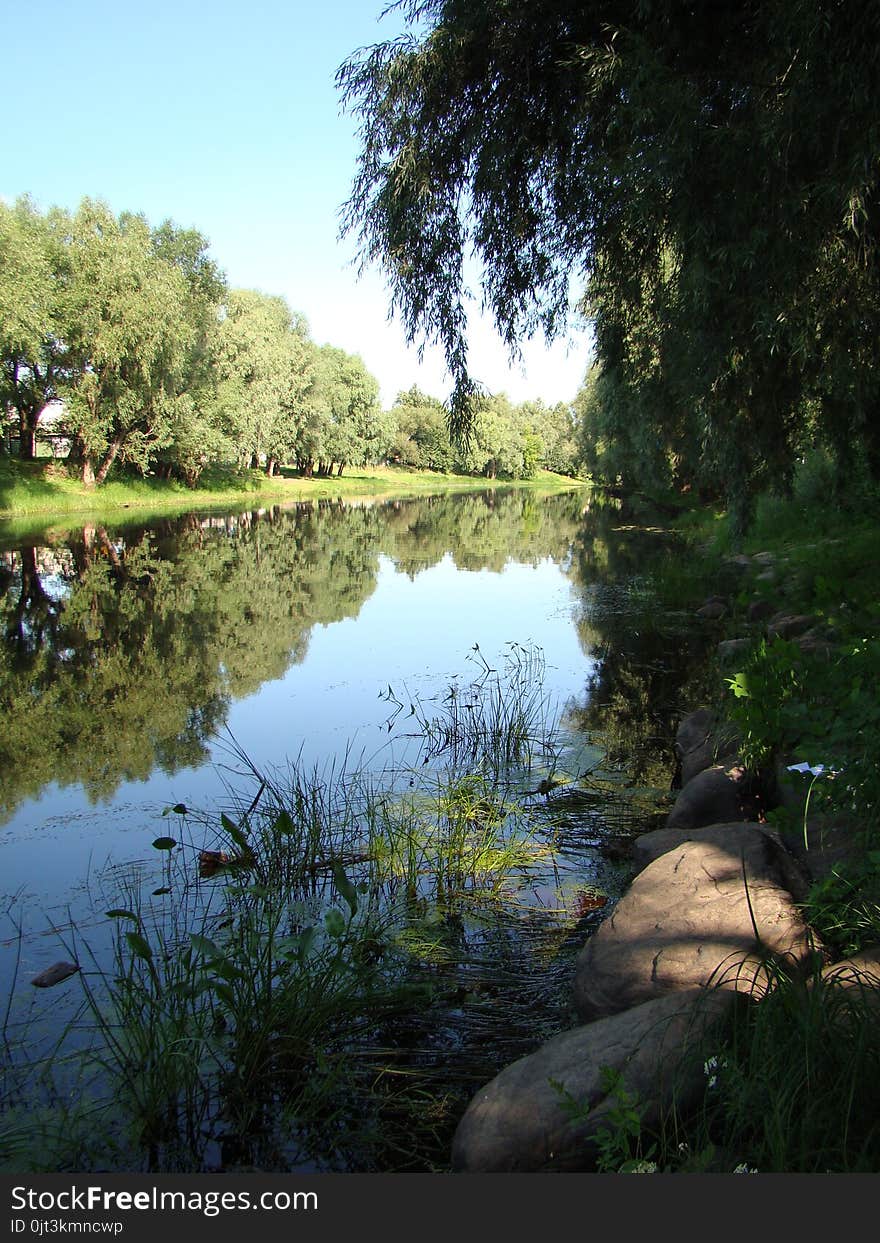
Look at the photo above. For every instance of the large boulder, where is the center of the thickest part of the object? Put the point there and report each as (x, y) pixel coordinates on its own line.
(760, 610)
(733, 649)
(861, 971)
(706, 912)
(522, 1121)
(858, 980)
(700, 742)
(789, 625)
(723, 792)
(790, 874)
(713, 610)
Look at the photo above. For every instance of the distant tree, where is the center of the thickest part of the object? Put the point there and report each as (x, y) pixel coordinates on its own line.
(556, 426)
(265, 361)
(496, 445)
(196, 436)
(422, 438)
(342, 423)
(130, 336)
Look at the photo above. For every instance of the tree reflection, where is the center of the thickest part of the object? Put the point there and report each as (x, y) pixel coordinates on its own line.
(637, 617)
(124, 647)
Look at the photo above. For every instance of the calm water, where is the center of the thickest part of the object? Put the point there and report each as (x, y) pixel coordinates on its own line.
(141, 664)
(134, 655)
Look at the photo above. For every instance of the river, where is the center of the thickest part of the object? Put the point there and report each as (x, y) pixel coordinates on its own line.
(153, 666)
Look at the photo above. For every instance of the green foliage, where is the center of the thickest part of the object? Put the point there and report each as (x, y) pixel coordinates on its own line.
(707, 176)
(32, 350)
(768, 700)
(844, 907)
(132, 324)
(156, 364)
(619, 1141)
(794, 1087)
(339, 422)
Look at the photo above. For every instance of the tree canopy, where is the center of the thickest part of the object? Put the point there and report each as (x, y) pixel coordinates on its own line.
(703, 176)
(155, 363)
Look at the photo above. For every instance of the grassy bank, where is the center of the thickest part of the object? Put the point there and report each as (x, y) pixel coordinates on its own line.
(44, 490)
(793, 1086)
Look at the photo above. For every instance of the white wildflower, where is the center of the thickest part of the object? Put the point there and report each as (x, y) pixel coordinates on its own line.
(710, 1068)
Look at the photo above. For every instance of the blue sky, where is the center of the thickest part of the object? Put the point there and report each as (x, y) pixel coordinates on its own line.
(225, 116)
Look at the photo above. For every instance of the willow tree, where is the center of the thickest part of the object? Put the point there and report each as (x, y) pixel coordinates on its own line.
(32, 351)
(131, 337)
(339, 421)
(702, 177)
(265, 361)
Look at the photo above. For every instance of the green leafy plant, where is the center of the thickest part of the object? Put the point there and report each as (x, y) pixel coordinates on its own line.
(619, 1141)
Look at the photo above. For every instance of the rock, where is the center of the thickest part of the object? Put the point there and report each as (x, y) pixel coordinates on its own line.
(520, 1121)
(689, 920)
(733, 647)
(716, 795)
(693, 731)
(764, 558)
(698, 742)
(739, 562)
(759, 610)
(815, 643)
(860, 971)
(859, 978)
(766, 576)
(788, 625)
(650, 846)
(712, 610)
(55, 974)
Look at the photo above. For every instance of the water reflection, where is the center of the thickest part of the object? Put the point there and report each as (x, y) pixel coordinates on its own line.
(124, 648)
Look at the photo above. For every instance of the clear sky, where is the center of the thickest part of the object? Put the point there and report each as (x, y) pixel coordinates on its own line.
(225, 117)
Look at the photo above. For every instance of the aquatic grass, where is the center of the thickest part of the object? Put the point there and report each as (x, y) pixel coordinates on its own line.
(291, 979)
(151, 1030)
(458, 837)
(212, 1030)
(503, 718)
(229, 1018)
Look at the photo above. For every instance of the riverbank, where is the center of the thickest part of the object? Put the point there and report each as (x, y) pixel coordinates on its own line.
(765, 881)
(30, 491)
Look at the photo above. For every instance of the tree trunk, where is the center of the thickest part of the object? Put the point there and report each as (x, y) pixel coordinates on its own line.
(88, 471)
(109, 458)
(27, 435)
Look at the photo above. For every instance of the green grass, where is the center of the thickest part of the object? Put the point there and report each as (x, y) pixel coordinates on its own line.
(32, 490)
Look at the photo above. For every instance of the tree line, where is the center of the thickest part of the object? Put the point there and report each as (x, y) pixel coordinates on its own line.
(158, 365)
